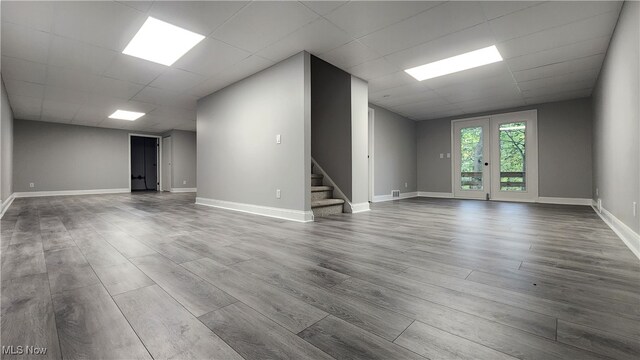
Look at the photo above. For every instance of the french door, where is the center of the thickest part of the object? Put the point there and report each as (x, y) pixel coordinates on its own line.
(496, 157)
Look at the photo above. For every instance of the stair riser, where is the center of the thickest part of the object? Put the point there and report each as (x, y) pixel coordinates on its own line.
(320, 195)
(316, 182)
(327, 210)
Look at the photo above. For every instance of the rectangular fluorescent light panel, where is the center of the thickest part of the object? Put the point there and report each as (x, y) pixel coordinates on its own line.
(161, 42)
(457, 63)
(125, 115)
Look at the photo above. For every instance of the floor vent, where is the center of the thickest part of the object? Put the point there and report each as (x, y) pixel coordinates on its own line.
(395, 193)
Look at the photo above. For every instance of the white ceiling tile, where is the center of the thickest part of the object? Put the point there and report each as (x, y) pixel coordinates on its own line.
(23, 88)
(71, 53)
(323, 7)
(557, 69)
(473, 38)
(597, 26)
(209, 86)
(210, 57)
(433, 104)
(495, 9)
(25, 43)
(558, 89)
(164, 97)
(129, 68)
(25, 106)
(58, 111)
(244, 68)
(567, 95)
(142, 6)
(431, 24)
(103, 23)
(400, 91)
(33, 14)
(437, 115)
(475, 75)
(201, 17)
(90, 115)
(577, 76)
(373, 69)
(18, 69)
(349, 55)
(401, 99)
(262, 23)
(317, 37)
(65, 95)
(177, 80)
(114, 88)
(547, 15)
(69, 78)
(390, 81)
(560, 54)
(359, 18)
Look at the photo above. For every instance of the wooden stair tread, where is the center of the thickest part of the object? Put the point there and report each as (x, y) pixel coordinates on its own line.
(317, 176)
(321, 188)
(326, 202)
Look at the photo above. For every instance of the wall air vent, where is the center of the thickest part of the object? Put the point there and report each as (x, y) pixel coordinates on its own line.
(395, 193)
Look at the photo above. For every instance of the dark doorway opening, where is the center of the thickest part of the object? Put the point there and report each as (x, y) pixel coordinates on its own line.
(144, 163)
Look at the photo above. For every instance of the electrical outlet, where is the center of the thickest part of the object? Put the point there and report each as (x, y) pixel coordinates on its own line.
(635, 209)
(32, 185)
(448, 155)
(406, 185)
(184, 182)
(278, 193)
(278, 139)
(441, 156)
(597, 192)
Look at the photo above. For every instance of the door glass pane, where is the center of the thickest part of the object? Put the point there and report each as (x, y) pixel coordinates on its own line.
(471, 158)
(513, 156)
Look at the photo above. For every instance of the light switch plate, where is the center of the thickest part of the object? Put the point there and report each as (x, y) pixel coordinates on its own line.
(278, 139)
(32, 185)
(448, 155)
(278, 193)
(441, 156)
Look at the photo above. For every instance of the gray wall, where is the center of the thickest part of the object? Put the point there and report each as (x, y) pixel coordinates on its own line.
(395, 152)
(183, 165)
(564, 149)
(69, 157)
(331, 122)
(6, 146)
(616, 121)
(238, 158)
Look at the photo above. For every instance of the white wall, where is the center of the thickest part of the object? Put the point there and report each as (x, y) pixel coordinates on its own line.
(359, 144)
(239, 163)
(6, 147)
(616, 130)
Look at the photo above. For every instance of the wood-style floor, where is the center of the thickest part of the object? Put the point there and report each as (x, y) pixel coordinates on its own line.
(154, 276)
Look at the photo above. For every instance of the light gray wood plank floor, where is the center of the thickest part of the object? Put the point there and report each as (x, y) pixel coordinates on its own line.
(152, 275)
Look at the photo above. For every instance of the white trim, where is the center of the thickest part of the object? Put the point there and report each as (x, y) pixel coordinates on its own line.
(390, 197)
(70, 192)
(183, 190)
(564, 201)
(5, 205)
(625, 233)
(444, 195)
(360, 207)
(158, 159)
(287, 214)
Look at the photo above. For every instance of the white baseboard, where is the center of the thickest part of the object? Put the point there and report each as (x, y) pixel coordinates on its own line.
(287, 214)
(564, 201)
(5, 204)
(180, 190)
(360, 207)
(444, 195)
(389, 197)
(625, 233)
(70, 192)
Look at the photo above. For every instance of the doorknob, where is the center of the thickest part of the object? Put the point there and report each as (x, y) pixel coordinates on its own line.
(486, 164)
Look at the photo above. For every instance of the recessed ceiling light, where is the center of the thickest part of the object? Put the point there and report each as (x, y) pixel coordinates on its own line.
(125, 115)
(161, 42)
(457, 63)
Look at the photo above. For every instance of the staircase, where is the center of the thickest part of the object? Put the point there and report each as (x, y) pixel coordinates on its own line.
(322, 201)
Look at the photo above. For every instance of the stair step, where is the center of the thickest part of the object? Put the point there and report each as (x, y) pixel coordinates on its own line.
(321, 188)
(317, 176)
(326, 202)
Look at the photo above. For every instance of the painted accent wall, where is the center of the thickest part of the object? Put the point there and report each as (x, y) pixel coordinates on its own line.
(395, 152)
(564, 149)
(238, 159)
(6, 146)
(616, 131)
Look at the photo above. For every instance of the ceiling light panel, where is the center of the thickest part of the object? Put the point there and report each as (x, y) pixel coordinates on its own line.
(126, 115)
(161, 42)
(457, 63)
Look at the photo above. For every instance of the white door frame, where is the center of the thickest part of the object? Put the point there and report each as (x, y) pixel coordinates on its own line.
(456, 125)
(371, 114)
(494, 120)
(158, 158)
(169, 163)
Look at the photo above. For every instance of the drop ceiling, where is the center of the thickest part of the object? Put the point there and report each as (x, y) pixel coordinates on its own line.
(63, 62)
